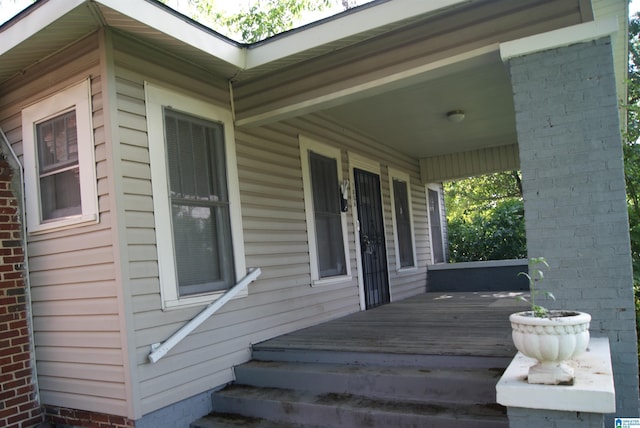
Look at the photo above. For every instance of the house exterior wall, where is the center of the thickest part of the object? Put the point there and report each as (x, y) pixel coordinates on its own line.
(76, 315)
(275, 237)
(19, 401)
(574, 193)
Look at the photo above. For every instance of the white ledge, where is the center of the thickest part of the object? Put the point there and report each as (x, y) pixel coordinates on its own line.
(592, 391)
(480, 264)
(561, 37)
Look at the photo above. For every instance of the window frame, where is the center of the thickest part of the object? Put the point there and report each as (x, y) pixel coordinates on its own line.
(309, 145)
(398, 175)
(441, 214)
(157, 97)
(76, 97)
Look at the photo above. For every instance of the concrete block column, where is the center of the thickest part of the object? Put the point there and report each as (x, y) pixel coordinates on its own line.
(574, 191)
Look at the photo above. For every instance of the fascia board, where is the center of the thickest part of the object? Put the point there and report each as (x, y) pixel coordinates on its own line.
(157, 18)
(145, 12)
(343, 27)
(33, 22)
(559, 38)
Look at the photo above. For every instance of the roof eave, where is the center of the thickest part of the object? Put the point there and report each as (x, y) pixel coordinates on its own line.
(343, 27)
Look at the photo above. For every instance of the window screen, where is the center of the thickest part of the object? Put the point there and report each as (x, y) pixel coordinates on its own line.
(58, 167)
(199, 203)
(328, 220)
(403, 222)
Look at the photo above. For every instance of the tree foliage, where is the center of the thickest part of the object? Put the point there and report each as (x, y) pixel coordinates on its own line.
(485, 217)
(632, 146)
(261, 19)
(495, 234)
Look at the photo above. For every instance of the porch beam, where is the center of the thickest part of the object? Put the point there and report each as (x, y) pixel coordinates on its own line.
(314, 101)
(470, 163)
(426, 49)
(559, 38)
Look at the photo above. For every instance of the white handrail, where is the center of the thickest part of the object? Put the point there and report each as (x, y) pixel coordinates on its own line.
(158, 350)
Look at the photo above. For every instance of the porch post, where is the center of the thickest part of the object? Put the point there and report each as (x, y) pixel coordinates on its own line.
(570, 149)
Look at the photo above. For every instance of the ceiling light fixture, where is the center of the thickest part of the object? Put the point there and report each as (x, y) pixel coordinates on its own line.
(455, 116)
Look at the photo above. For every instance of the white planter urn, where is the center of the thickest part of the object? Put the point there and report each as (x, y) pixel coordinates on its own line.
(552, 341)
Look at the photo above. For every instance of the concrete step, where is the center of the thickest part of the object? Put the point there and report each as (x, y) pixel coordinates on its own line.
(267, 353)
(463, 386)
(233, 421)
(287, 406)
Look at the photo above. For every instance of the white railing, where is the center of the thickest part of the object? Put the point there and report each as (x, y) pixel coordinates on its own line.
(158, 350)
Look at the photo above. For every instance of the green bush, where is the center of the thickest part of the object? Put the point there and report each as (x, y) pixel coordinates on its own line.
(494, 234)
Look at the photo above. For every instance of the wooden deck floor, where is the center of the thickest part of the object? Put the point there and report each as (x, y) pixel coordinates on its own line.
(461, 324)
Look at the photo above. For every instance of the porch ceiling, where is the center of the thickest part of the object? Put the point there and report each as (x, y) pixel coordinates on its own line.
(413, 118)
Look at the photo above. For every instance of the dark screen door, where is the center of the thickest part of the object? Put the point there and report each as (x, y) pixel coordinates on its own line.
(372, 240)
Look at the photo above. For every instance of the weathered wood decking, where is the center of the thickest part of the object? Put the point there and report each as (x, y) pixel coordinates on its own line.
(457, 324)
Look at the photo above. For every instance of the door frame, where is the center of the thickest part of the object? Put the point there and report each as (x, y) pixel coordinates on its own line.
(366, 164)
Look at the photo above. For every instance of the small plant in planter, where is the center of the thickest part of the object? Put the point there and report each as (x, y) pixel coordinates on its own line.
(535, 275)
(549, 336)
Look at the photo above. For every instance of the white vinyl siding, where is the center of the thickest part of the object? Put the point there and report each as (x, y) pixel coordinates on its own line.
(274, 223)
(75, 293)
(326, 224)
(402, 215)
(59, 160)
(176, 198)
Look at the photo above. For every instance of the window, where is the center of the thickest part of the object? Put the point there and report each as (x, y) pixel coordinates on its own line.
(435, 223)
(59, 160)
(402, 219)
(326, 223)
(196, 197)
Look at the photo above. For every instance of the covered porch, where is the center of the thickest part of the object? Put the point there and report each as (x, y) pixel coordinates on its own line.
(429, 325)
(428, 360)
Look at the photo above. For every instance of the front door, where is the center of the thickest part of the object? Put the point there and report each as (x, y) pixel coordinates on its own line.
(372, 239)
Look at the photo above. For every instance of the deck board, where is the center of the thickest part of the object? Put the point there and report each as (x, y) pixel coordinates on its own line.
(463, 323)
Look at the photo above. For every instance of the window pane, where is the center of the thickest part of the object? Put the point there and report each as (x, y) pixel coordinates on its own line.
(330, 246)
(57, 141)
(202, 259)
(324, 180)
(60, 194)
(403, 223)
(200, 206)
(328, 221)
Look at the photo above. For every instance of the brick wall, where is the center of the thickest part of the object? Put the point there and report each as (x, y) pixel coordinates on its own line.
(62, 417)
(524, 418)
(574, 193)
(19, 405)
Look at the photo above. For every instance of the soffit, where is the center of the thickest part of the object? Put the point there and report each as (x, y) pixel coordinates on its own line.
(174, 46)
(54, 37)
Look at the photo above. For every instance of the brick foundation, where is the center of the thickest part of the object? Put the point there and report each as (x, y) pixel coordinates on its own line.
(19, 405)
(63, 417)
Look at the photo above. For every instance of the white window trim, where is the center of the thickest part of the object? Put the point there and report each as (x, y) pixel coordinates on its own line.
(156, 98)
(402, 176)
(76, 97)
(306, 145)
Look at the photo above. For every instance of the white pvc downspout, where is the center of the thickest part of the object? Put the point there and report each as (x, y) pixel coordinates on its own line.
(4, 141)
